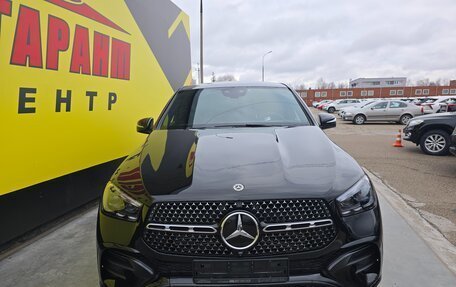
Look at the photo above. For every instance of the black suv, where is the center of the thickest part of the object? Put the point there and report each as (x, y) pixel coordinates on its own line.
(237, 185)
(432, 132)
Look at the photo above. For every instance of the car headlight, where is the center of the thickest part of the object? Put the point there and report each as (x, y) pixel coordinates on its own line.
(118, 204)
(415, 123)
(358, 198)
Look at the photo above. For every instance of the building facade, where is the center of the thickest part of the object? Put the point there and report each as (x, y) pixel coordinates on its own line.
(378, 82)
(311, 95)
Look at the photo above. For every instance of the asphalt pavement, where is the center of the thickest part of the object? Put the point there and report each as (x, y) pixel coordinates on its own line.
(67, 256)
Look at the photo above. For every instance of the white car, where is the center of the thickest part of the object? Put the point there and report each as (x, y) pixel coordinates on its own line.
(338, 104)
(435, 105)
(315, 104)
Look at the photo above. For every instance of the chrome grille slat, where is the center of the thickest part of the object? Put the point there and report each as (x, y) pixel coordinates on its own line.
(290, 226)
(204, 229)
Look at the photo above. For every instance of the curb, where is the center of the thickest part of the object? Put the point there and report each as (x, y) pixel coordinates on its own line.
(444, 250)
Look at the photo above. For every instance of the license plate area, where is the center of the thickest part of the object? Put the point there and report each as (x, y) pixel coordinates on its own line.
(240, 271)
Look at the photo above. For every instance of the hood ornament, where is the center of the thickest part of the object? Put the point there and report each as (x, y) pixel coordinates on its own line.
(238, 187)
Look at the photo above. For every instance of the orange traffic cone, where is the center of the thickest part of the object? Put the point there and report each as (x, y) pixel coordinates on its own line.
(398, 142)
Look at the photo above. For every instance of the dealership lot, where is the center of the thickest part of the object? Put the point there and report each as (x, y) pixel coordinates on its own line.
(428, 183)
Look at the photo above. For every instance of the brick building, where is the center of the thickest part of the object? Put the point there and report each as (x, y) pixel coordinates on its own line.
(311, 95)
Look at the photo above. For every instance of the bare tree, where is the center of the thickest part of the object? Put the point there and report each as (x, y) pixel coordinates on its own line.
(299, 87)
(423, 82)
(342, 85)
(226, 78)
(331, 85)
(437, 82)
(321, 84)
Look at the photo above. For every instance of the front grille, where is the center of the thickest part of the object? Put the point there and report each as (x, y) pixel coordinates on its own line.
(212, 213)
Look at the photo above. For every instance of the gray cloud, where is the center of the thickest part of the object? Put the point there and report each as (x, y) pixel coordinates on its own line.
(333, 39)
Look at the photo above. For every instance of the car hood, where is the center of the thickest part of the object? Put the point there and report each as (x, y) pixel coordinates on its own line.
(268, 162)
(451, 115)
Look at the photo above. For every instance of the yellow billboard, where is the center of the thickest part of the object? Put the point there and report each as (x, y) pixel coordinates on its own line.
(76, 75)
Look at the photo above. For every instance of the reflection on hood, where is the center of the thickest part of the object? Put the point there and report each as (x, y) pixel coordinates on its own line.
(168, 161)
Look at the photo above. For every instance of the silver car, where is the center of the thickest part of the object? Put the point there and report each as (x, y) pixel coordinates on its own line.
(363, 103)
(338, 104)
(383, 110)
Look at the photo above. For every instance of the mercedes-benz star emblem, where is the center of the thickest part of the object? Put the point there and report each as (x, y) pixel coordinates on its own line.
(239, 230)
(238, 187)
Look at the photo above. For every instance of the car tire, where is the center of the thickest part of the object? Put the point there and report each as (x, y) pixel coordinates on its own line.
(405, 119)
(359, 119)
(331, 110)
(435, 142)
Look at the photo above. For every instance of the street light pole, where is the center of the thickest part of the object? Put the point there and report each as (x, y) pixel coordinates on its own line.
(201, 43)
(262, 66)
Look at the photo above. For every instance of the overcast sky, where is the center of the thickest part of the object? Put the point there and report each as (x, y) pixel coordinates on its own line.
(336, 40)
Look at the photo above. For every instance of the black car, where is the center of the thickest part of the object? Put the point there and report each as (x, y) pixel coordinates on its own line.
(453, 142)
(237, 185)
(431, 132)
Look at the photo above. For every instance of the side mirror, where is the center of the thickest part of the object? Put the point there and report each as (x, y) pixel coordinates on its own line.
(145, 126)
(327, 121)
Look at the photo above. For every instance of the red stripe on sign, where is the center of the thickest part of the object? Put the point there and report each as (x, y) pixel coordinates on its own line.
(88, 12)
(5, 7)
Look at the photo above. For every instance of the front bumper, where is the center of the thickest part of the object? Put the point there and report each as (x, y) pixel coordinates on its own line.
(453, 150)
(357, 266)
(411, 134)
(346, 117)
(354, 259)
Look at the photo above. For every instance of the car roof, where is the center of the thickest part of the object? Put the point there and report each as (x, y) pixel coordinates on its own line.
(234, 85)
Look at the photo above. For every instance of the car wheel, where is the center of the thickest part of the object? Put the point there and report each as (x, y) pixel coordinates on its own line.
(331, 110)
(435, 142)
(405, 119)
(359, 119)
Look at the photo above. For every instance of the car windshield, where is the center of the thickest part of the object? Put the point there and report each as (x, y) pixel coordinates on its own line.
(233, 107)
(368, 103)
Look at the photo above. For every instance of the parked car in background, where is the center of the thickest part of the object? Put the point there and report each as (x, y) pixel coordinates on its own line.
(451, 107)
(383, 110)
(420, 101)
(322, 105)
(338, 104)
(448, 106)
(346, 109)
(316, 104)
(453, 142)
(435, 106)
(431, 132)
(407, 100)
